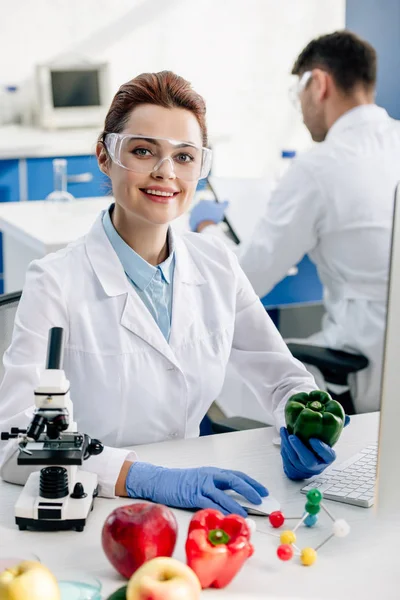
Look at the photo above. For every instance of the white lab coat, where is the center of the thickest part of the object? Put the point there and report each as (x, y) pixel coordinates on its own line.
(128, 385)
(335, 204)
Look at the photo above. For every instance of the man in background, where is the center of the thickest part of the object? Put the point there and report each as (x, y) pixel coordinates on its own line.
(335, 203)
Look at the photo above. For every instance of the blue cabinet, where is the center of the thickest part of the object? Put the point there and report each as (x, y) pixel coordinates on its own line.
(303, 288)
(40, 177)
(9, 192)
(295, 290)
(9, 180)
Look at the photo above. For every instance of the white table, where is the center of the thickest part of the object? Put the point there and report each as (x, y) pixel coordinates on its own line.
(364, 565)
(33, 229)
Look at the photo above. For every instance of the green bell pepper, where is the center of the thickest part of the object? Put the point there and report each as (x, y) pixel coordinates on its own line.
(314, 415)
(119, 594)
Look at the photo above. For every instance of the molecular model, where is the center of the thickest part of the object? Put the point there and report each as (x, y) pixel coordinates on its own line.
(287, 548)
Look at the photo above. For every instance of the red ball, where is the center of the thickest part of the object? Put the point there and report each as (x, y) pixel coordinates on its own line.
(276, 519)
(285, 552)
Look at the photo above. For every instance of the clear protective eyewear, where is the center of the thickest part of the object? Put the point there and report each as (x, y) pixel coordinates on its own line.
(297, 88)
(144, 154)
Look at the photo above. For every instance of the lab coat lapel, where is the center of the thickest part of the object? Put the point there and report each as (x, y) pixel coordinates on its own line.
(185, 302)
(110, 273)
(137, 318)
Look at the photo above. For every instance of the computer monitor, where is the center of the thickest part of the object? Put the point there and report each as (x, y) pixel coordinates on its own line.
(73, 95)
(388, 466)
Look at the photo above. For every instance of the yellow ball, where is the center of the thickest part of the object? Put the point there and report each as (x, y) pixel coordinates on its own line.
(288, 537)
(308, 556)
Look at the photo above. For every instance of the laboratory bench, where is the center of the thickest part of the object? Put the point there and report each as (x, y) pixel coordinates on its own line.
(362, 565)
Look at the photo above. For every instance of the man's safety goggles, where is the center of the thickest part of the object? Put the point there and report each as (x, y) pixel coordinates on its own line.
(143, 154)
(297, 88)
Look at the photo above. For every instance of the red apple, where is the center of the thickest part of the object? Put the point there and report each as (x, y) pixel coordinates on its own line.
(136, 533)
(164, 579)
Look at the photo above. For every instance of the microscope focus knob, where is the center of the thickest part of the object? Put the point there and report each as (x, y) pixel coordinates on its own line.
(15, 431)
(95, 447)
(78, 492)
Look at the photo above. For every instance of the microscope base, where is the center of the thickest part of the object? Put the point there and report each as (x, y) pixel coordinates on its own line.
(36, 512)
(42, 525)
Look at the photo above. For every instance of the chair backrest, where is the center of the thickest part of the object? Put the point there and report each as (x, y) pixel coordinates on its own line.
(8, 308)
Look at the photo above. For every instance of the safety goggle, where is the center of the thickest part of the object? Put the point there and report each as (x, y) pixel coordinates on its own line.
(297, 88)
(144, 154)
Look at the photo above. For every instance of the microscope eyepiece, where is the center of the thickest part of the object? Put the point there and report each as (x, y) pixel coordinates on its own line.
(55, 349)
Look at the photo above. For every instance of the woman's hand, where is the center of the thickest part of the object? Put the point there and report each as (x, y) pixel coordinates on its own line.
(201, 487)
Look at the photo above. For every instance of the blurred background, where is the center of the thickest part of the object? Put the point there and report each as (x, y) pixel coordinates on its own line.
(237, 54)
(61, 62)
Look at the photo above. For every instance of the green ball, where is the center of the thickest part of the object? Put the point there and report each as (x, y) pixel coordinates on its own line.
(314, 496)
(312, 509)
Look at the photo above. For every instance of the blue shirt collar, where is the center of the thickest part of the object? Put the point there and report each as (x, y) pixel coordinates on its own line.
(136, 268)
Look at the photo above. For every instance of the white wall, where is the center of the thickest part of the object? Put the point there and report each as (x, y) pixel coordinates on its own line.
(237, 54)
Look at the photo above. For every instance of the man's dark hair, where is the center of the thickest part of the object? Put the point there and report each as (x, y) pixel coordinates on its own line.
(346, 57)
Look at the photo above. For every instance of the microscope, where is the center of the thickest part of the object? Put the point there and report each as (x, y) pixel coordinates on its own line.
(60, 496)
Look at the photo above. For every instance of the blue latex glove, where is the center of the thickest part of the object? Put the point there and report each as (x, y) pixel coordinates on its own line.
(207, 210)
(193, 488)
(301, 463)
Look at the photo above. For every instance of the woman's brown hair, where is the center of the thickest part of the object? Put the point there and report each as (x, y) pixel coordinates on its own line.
(162, 89)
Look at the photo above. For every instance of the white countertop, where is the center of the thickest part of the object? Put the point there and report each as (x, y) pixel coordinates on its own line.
(47, 226)
(363, 565)
(29, 142)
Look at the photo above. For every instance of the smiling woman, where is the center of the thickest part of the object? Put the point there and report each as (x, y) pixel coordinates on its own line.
(152, 319)
(155, 130)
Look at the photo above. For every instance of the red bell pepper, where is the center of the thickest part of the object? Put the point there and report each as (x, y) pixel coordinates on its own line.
(217, 546)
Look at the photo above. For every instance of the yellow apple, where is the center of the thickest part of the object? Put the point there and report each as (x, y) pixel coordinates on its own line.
(163, 578)
(28, 580)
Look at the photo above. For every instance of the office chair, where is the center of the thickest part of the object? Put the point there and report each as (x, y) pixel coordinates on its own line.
(335, 366)
(8, 307)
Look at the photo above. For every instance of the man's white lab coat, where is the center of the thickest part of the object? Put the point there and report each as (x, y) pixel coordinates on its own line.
(335, 204)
